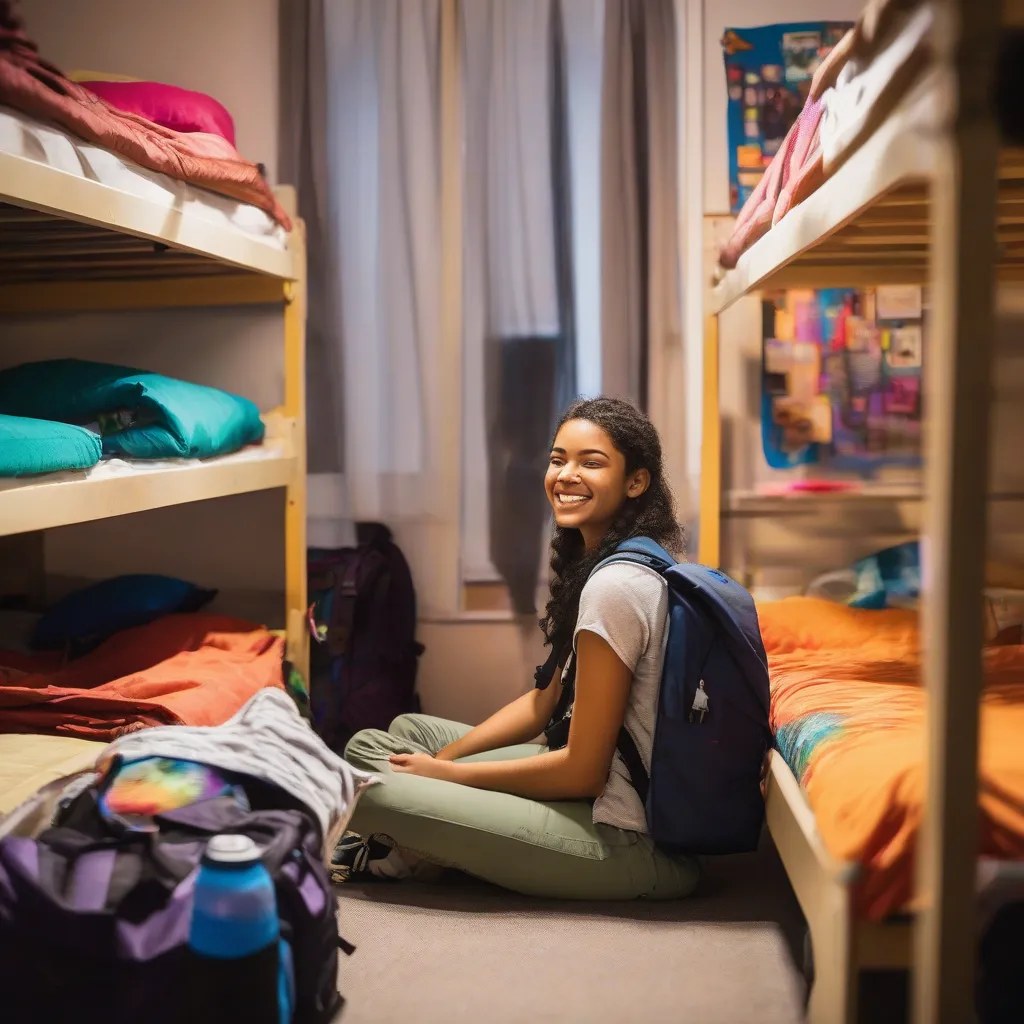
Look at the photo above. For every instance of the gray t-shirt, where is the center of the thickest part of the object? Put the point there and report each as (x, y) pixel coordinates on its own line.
(627, 605)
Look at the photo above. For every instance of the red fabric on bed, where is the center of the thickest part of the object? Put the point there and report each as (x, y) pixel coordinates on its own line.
(31, 85)
(180, 670)
(794, 173)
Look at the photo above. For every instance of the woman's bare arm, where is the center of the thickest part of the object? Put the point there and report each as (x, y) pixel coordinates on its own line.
(518, 722)
(580, 769)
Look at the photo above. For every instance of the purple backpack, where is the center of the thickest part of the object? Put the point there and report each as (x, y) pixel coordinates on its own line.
(94, 919)
(364, 656)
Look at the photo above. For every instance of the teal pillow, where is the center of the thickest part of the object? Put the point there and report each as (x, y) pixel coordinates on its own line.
(29, 446)
(142, 415)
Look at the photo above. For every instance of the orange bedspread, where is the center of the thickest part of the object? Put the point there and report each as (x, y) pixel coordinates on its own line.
(849, 718)
(180, 670)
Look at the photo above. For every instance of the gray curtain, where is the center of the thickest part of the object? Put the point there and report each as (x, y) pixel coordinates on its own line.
(360, 135)
(519, 317)
(302, 162)
(639, 191)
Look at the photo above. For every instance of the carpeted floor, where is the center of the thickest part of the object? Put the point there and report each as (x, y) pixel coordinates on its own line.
(468, 954)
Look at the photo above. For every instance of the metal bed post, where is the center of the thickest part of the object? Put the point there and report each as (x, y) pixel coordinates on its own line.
(958, 382)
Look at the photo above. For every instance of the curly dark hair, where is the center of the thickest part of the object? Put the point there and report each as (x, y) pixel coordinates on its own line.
(652, 514)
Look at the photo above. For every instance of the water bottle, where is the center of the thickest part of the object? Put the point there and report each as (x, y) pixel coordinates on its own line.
(235, 966)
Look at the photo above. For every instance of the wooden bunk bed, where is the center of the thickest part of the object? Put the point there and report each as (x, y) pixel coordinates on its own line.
(70, 242)
(924, 199)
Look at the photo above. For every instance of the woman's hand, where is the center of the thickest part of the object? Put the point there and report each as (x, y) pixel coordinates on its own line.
(422, 764)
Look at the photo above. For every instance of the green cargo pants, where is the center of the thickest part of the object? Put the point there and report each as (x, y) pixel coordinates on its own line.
(537, 848)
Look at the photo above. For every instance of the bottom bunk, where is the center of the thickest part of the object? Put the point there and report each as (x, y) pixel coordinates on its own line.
(845, 793)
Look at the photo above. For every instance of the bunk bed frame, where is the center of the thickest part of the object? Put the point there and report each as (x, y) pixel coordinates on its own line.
(908, 208)
(70, 244)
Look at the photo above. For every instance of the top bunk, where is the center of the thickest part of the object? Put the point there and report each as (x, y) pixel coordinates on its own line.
(853, 206)
(72, 212)
(103, 209)
(97, 201)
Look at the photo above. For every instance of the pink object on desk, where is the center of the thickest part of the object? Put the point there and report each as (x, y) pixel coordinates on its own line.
(811, 487)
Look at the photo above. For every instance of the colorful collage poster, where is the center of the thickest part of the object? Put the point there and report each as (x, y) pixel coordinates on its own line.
(842, 377)
(768, 73)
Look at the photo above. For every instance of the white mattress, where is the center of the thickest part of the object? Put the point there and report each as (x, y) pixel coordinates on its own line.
(849, 105)
(114, 468)
(43, 143)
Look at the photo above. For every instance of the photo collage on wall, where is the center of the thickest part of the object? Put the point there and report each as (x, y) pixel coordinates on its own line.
(842, 377)
(768, 74)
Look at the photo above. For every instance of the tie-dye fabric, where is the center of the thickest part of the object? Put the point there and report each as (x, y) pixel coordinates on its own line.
(154, 785)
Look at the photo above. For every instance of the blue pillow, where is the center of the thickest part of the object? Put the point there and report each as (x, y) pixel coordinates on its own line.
(96, 612)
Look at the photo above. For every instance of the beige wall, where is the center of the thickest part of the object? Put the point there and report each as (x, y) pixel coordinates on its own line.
(226, 48)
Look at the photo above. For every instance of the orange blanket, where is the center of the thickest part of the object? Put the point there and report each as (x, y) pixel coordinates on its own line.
(32, 85)
(849, 718)
(179, 670)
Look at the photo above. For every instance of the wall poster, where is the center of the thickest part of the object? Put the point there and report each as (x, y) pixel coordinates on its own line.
(842, 377)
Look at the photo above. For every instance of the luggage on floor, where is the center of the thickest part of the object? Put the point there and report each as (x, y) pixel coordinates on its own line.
(95, 913)
(362, 616)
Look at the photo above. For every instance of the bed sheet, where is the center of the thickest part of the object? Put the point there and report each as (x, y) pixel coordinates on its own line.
(113, 468)
(27, 137)
(848, 713)
(28, 762)
(866, 92)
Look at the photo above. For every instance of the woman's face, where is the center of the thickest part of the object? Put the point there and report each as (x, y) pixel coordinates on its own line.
(586, 481)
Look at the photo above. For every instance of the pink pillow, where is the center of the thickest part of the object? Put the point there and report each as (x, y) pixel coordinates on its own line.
(181, 110)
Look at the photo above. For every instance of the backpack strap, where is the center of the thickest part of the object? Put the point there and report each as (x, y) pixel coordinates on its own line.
(638, 776)
(640, 551)
(646, 552)
(340, 630)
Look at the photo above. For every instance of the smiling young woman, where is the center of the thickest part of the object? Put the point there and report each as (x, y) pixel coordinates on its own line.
(558, 818)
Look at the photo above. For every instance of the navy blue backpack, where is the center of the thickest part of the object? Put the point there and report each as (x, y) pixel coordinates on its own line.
(703, 795)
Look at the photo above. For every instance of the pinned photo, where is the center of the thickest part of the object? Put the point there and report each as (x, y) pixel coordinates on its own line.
(801, 52)
(905, 348)
(903, 395)
(803, 422)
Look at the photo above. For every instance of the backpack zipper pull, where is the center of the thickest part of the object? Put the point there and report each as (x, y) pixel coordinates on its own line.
(701, 705)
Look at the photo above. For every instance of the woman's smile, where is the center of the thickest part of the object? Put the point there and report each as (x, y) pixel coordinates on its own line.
(586, 481)
(567, 499)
